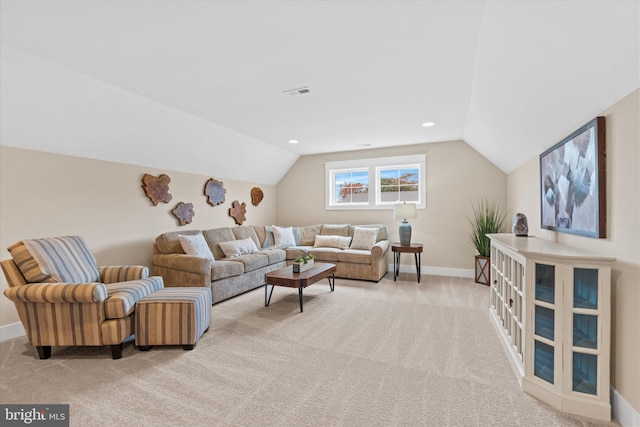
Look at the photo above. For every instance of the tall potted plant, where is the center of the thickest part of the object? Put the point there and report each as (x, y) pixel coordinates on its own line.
(487, 218)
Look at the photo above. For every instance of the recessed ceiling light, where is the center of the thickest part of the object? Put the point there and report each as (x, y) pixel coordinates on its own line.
(428, 124)
(293, 141)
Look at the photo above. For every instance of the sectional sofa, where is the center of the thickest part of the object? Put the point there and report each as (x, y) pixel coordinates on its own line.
(233, 260)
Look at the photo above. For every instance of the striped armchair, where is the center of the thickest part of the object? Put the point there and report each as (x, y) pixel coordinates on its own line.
(64, 299)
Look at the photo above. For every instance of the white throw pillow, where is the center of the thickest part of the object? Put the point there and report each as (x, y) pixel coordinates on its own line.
(364, 238)
(283, 237)
(195, 245)
(234, 248)
(338, 242)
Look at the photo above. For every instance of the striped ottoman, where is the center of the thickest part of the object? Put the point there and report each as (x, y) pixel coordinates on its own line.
(172, 316)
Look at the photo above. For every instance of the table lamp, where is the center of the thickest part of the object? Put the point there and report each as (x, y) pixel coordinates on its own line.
(404, 211)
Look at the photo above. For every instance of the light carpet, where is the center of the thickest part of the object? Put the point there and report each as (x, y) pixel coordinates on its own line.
(369, 354)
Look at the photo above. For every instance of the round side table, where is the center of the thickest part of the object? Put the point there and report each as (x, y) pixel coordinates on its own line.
(413, 248)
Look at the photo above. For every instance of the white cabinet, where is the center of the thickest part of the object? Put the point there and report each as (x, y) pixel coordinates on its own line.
(551, 305)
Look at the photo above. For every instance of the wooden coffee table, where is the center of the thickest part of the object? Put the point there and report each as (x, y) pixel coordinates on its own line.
(286, 277)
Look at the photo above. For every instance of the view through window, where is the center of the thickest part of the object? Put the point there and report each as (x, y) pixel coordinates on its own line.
(376, 183)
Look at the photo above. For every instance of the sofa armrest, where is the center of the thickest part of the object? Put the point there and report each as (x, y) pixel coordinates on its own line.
(182, 269)
(182, 262)
(380, 248)
(122, 273)
(54, 293)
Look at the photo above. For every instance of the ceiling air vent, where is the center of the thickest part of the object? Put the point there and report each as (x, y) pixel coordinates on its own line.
(298, 91)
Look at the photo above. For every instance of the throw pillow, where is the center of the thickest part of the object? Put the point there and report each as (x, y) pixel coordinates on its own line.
(196, 245)
(283, 237)
(338, 242)
(364, 238)
(234, 248)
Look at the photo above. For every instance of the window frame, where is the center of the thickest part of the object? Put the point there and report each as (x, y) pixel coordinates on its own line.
(374, 166)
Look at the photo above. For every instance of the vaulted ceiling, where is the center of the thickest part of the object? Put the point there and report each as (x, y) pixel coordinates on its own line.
(511, 78)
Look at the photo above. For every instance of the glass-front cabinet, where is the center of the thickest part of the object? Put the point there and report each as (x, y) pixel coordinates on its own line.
(566, 323)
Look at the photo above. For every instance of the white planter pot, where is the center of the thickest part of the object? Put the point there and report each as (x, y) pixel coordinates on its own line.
(299, 267)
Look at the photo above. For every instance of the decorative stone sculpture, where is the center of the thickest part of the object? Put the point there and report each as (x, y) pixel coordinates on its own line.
(157, 188)
(215, 192)
(184, 212)
(256, 196)
(520, 226)
(238, 211)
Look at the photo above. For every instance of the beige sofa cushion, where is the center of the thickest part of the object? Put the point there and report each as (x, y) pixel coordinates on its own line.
(224, 269)
(252, 261)
(246, 231)
(325, 254)
(336, 230)
(274, 255)
(308, 234)
(355, 256)
(215, 236)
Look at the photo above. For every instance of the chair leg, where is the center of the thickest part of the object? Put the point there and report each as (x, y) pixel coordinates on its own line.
(116, 351)
(44, 351)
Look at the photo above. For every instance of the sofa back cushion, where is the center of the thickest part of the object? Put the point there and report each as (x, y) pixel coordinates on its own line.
(215, 236)
(56, 259)
(308, 234)
(245, 232)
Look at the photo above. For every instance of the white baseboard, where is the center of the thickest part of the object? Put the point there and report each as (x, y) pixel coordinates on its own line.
(435, 271)
(626, 415)
(11, 331)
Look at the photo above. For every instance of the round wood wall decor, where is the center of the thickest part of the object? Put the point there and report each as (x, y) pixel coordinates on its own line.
(157, 188)
(238, 211)
(184, 212)
(256, 196)
(215, 192)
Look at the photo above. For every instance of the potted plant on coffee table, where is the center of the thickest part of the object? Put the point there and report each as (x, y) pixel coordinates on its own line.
(487, 218)
(302, 263)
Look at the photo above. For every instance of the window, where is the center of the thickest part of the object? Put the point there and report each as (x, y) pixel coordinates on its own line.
(376, 183)
(351, 187)
(398, 183)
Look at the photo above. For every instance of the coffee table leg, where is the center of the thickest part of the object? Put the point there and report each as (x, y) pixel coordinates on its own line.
(332, 282)
(300, 296)
(267, 299)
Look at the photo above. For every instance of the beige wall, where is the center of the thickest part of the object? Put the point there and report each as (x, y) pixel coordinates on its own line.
(45, 195)
(623, 235)
(456, 176)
